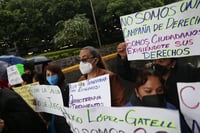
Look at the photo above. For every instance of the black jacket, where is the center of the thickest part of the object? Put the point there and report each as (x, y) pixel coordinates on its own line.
(60, 122)
(124, 69)
(180, 73)
(18, 116)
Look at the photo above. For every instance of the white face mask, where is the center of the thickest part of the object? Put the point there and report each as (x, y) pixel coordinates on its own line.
(85, 67)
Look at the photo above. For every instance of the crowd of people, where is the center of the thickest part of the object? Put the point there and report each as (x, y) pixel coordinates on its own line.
(153, 85)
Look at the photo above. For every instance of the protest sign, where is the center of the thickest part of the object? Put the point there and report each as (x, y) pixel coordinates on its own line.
(168, 31)
(190, 104)
(48, 98)
(122, 120)
(90, 93)
(20, 68)
(25, 93)
(14, 76)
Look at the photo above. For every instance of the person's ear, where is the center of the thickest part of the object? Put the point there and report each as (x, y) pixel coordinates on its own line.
(96, 60)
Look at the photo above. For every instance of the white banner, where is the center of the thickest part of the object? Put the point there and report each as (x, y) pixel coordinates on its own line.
(48, 98)
(14, 76)
(93, 92)
(122, 120)
(168, 31)
(189, 97)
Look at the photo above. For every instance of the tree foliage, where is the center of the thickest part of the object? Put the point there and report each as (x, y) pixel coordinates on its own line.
(31, 25)
(109, 23)
(73, 31)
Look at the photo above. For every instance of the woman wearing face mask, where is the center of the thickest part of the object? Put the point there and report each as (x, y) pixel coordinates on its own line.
(55, 76)
(149, 92)
(92, 65)
(173, 72)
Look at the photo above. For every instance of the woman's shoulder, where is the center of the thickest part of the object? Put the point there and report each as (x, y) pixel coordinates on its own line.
(128, 104)
(105, 71)
(82, 77)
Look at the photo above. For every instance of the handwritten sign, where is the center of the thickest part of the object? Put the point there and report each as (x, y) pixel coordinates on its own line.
(14, 76)
(168, 31)
(48, 98)
(90, 93)
(190, 104)
(25, 93)
(122, 120)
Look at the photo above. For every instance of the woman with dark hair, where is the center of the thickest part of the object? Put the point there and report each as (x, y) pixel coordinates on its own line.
(149, 91)
(92, 65)
(55, 76)
(172, 72)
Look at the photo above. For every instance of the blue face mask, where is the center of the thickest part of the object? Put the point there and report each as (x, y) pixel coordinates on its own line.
(53, 80)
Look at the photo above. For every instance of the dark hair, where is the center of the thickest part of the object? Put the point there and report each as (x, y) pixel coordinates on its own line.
(95, 53)
(143, 77)
(174, 59)
(57, 70)
(29, 65)
(28, 78)
(39, 77)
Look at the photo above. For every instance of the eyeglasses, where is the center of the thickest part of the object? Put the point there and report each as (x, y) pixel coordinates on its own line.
(85, 59)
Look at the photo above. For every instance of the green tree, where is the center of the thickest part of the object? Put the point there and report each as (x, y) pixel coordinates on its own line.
(117, 8)
(33, 24)
(30, 24)
(73, 31)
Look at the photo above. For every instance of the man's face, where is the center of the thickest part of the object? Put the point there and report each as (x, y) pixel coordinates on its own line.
(163, 66)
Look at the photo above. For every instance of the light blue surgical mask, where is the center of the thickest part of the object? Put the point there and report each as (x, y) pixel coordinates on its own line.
(53, 80)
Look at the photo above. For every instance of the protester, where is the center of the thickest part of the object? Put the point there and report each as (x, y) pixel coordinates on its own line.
(38, 77)
(149, 92)
(173, 72)
(92, 65)
(123, 66)
(126, 70)
(28, 73)
(55, 76)
(16, 116)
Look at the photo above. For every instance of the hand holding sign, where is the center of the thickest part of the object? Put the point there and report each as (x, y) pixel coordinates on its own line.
(90, 93)
(164, 32)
